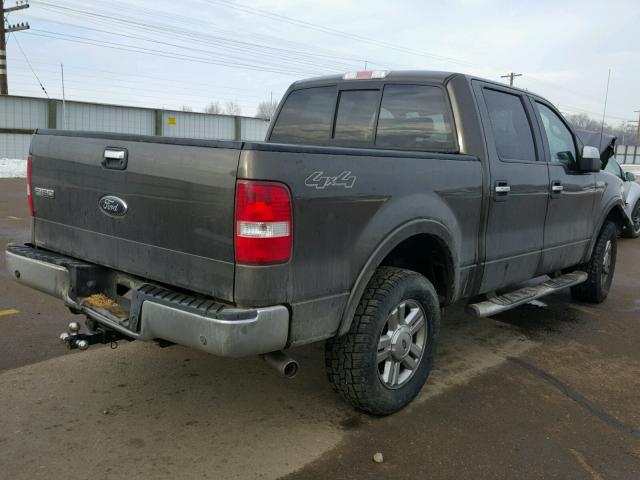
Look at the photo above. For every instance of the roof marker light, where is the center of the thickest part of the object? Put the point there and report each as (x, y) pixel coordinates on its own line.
(365, 75)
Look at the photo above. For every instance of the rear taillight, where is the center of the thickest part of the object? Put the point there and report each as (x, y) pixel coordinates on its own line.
(32, 212)
(263, 229)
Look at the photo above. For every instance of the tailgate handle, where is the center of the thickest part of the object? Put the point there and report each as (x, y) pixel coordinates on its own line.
(115, 158)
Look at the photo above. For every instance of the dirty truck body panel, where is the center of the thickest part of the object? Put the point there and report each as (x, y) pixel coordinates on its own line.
(178, 227)
(487, 200)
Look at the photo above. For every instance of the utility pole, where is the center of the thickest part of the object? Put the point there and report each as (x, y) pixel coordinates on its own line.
(511, 76)
(64, 101)
(638, 131)
(4, 29)
(604, 111)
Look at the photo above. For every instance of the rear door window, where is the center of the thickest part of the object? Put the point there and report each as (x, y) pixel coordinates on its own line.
(510, 126)
(415, 117)
(305, 117)
(356, 116)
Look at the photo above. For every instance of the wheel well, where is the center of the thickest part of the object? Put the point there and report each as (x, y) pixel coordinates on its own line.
(617, 216)
(429, 256)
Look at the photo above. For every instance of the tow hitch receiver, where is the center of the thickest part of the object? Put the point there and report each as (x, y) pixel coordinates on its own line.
(73, 339)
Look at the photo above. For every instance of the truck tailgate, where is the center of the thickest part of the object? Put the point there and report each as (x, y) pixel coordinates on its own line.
(173, 219)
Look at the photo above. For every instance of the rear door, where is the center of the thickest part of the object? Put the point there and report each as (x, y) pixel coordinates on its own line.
(519, 187)
(569, 224)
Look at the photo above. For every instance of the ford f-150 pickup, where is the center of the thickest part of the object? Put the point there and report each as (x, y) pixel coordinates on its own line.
(377, 199)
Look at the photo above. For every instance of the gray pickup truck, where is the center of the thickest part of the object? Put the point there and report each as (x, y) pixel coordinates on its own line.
(377, 199)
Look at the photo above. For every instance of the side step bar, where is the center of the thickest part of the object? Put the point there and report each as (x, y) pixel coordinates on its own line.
(524, 295)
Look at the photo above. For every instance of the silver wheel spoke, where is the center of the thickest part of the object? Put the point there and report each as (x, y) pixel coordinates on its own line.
(395, 373)
(415, 350)
(410, 362)
(387, 371)
(383, 355)
(384, 349)
(393, 320)
(415, 320)
(402, 312)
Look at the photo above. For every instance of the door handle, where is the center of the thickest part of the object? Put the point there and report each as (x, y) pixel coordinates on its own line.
(115, 158)
(556, 188)
(502, 190)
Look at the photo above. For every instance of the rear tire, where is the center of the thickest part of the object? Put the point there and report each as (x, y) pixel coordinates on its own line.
(381, 364)
(600, 268)
(634, 230)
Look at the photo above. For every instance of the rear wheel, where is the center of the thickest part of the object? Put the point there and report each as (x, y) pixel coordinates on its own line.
(634, 230)
(381, 364)
(600, 268)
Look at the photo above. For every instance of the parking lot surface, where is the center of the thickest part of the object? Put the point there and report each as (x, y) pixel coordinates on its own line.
(544, 391)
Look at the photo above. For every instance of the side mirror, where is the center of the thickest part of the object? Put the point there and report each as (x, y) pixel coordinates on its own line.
(630, 177)
(589, 161)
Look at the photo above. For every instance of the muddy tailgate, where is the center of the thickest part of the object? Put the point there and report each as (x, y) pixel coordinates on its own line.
(159, 208)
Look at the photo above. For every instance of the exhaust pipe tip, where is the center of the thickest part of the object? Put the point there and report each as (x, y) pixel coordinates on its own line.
(282, 363)
(290, 370)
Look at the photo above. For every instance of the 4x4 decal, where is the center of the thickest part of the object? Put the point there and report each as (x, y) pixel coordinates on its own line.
(320, 181)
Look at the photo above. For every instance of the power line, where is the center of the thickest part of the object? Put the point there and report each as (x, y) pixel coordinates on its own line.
(333, 31)
(297, 56)
(119, 78)
(32, 70)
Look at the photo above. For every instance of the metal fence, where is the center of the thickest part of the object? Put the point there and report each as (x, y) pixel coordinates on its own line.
(19, 116)
(628, 154)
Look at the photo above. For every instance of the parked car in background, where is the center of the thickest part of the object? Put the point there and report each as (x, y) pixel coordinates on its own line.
(607, 145)
(631, 197)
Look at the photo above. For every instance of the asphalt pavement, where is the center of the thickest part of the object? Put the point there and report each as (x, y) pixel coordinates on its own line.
(546, 391)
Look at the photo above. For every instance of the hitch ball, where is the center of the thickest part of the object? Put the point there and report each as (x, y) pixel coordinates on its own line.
(64, 338)
(82, 344)
(74, 328)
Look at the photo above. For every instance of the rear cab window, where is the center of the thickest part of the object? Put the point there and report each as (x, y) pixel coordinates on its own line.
(415, 117)
(306, 117)
(356, 117)
(392, 116)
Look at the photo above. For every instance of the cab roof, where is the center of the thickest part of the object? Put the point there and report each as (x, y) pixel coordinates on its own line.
(431, 76)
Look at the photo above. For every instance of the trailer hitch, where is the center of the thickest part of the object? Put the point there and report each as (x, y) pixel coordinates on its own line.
(73, 339)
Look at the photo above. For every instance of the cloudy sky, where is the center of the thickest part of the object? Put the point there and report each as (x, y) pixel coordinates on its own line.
(191, 52)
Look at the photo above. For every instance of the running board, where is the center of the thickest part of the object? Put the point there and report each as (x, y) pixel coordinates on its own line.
(524, 295)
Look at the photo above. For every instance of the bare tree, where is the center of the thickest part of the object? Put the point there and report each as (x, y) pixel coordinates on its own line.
(186, 108)
(213, 107)
(266, 109)
(584, 122)
(232, 108)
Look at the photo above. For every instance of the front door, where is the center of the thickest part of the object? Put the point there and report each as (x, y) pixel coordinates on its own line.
(519, 187)
(569, 224)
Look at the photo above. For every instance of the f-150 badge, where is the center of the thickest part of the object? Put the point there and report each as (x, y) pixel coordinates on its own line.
(320, 181)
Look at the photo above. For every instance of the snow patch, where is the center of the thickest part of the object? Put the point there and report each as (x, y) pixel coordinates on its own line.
(13, 168)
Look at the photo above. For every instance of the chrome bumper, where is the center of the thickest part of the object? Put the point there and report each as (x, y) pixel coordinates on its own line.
(229, 331)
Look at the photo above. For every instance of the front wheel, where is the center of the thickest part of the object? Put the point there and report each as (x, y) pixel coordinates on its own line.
(634, 230)
(600, 268)
(381, 364)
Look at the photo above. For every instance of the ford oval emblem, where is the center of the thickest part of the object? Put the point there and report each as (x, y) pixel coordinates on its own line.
(113, 206)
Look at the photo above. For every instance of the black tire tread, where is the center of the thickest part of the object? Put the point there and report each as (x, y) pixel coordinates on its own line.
(346, 357)
(628, 232)
(590, 291)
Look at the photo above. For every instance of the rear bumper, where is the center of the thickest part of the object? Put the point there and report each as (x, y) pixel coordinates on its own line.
(155, 312)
